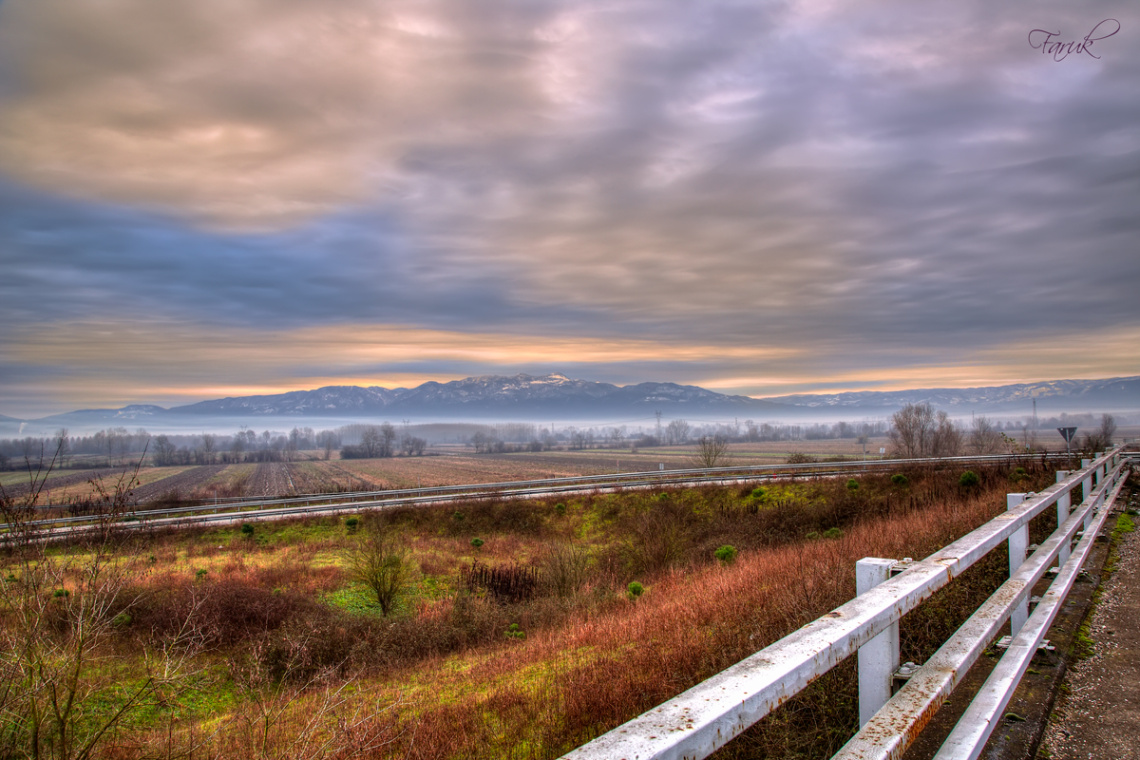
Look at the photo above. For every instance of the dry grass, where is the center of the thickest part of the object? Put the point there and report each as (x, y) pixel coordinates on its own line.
(443, 680)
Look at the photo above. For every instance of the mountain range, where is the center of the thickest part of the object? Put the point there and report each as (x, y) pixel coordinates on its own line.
(1053, 397)
(557, 397)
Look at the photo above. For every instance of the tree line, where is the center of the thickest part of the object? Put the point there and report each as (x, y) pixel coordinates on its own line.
(918, 431)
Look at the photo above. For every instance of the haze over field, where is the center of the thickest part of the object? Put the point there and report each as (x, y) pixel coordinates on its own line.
(201, 200)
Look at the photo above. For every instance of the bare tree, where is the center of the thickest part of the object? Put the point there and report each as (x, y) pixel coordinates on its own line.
(381, 564)
(412, 446)
(1101, 438)
(677, 432)
(328, 440)
(1107, 429)
(164, 451)
(62, 445)
(59, 607)
(712, 451)
(370, 442)
(387, 440)
(912, 427)
(984, 437)
(918, 431)
(947, 440)
(209, 447)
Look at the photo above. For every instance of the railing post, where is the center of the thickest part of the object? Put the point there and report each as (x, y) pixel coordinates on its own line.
(1018, 543)
(879, 657)
(1086, 483)
(1064, 501)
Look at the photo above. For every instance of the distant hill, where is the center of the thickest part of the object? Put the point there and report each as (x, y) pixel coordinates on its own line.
(556, 397)
(1053, 397)
(487, 396)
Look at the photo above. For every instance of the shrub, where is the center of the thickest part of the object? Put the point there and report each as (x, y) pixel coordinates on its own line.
(510, 583)
(351, 524)
(565, 569)
(798, 457)
(635, 589)
(122, 620)
(969, 479)
(726, 554)
(222, 612)
(247, 530)
(514, 632)
(899, 479)
(560, 508)
(477, 542)
(381, 564)
(758, 493)
(833, 533)
(852, 485)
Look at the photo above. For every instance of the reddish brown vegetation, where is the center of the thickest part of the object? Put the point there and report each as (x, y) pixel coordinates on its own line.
(592, 658)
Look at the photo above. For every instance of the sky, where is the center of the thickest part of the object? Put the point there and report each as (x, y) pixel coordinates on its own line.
(228, 197)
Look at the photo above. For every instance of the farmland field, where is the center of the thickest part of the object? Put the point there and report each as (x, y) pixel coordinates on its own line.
(445, 465)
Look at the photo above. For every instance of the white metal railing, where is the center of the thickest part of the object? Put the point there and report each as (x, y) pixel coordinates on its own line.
(706, 717)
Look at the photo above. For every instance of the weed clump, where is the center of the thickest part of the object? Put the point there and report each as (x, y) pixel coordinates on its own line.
(969, 479)
(726, 554)
(635, 589)
(564, 569)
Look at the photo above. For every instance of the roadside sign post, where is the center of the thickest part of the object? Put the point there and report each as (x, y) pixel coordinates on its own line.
(1067, 433)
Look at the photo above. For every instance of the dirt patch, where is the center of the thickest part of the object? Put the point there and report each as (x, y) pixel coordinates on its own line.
(270, 479)
(1098, 714)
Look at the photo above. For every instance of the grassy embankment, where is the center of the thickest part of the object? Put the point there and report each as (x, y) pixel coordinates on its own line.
(286, 656)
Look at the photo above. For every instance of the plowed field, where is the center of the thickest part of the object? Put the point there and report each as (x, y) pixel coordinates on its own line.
(178, 483)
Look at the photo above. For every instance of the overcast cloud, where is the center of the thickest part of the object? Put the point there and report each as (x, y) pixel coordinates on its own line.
(759, 197)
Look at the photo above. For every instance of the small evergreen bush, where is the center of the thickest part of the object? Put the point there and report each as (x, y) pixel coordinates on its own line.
(726, 554)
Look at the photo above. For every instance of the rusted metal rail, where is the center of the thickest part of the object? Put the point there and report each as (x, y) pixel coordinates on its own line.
(706, 717)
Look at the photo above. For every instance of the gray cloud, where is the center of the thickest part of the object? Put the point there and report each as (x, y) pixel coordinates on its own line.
(890, 184)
